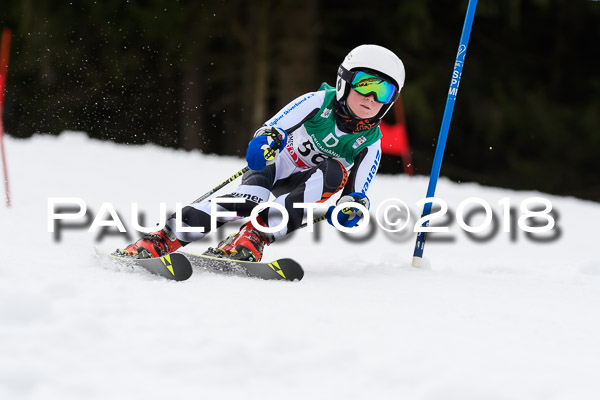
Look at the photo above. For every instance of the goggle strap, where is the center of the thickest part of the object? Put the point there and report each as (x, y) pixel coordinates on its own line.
(345, 74)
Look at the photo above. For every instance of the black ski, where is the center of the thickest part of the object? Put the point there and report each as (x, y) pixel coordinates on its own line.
(284, 269)
(174, 266)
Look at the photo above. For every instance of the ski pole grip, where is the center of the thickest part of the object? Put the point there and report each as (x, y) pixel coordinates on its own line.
(278, 140)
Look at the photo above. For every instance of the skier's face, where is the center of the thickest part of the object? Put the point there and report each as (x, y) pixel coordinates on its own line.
(363, 106)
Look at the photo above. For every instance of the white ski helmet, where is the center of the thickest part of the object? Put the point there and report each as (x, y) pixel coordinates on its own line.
(371, 58)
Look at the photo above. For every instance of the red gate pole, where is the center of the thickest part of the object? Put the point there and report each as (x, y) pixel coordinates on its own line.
(4, 52)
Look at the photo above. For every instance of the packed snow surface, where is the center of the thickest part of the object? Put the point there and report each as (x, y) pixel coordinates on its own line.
(507, 317)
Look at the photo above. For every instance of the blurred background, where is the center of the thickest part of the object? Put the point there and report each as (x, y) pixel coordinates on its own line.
(205, 74)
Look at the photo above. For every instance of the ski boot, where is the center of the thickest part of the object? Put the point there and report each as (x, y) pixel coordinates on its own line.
(246, 245)
(152, 245)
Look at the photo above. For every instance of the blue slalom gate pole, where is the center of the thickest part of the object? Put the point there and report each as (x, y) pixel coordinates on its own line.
(441, 145)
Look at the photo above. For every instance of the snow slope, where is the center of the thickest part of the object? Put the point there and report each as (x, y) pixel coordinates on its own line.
(501, 319)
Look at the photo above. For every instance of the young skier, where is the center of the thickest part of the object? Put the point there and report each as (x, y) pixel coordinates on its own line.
(301, 155)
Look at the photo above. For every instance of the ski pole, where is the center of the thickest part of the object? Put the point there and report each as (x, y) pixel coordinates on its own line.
(4, 53)
(318, 219)
(221, 185)
(439, 150)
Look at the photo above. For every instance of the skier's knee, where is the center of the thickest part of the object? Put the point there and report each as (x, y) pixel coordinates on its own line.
(335, 177)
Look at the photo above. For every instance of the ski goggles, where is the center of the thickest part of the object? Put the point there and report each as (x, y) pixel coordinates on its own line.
(367, 84)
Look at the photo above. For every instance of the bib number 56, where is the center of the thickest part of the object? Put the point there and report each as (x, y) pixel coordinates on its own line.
(306, 148)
